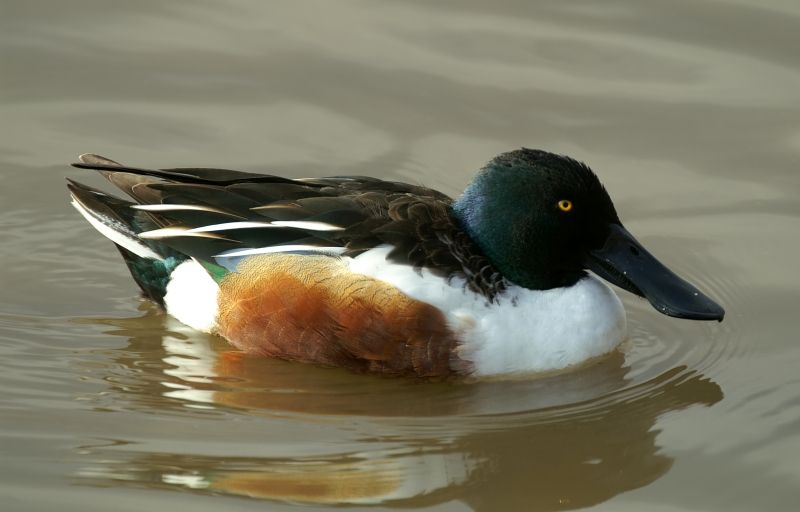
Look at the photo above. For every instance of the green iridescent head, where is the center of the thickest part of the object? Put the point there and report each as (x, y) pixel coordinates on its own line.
(535, 215)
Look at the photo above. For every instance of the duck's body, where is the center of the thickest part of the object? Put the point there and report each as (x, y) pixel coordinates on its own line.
(368, 274)
(366, 314)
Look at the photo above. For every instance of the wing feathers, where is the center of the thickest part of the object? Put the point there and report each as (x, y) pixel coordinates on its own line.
(214, 213)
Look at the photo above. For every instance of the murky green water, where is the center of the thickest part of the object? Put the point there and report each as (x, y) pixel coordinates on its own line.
(688, 110)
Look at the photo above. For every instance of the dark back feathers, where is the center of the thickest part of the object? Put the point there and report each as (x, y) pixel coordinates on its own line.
(415, 220)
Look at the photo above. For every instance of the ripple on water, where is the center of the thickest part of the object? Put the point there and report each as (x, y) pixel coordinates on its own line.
(657, 342)
(189, 367)
(324, 435)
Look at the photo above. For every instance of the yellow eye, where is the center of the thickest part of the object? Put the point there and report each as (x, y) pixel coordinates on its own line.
(565, 205)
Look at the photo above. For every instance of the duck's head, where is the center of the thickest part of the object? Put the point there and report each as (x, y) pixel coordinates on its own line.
(544, 219)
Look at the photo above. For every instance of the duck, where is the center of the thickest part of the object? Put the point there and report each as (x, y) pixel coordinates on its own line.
(511, 277)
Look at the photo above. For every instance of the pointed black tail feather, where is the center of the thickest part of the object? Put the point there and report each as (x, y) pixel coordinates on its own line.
(150, 262)
(201, 175)
(115, 218)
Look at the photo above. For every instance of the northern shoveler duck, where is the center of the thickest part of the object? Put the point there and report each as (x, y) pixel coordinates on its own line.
(383, 276)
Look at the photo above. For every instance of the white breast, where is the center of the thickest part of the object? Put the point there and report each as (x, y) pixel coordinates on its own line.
(527, 331)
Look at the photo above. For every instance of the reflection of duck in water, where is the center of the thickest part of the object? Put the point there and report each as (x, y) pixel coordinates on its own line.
(331, 437)
(389, 277)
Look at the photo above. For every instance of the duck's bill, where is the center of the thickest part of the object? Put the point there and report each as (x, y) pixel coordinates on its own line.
(624, 262)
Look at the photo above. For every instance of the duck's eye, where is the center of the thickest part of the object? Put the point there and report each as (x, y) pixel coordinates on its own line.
(565, 205)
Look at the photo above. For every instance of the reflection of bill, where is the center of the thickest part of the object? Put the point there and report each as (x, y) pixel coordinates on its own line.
(561, 442)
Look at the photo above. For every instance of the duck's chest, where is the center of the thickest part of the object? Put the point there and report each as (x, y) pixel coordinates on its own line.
(525, 331)
(541, 331)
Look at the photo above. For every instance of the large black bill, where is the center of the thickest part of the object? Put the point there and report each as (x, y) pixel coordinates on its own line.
(624, 262)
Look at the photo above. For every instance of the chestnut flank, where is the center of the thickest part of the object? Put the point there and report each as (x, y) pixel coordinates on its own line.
(313, 309)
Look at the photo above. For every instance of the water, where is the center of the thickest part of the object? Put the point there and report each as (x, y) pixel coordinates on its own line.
(689, 111)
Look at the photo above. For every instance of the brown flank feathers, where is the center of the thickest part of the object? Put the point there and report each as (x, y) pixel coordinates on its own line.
(313, 309)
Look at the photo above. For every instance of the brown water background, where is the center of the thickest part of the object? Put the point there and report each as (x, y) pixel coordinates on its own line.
(688, 110)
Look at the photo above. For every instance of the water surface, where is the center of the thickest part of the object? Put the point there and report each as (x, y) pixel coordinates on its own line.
(688, 110)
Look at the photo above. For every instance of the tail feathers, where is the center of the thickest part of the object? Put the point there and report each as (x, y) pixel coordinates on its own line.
(150, 262)
(198, 175)
(115, 219)
(92, 159)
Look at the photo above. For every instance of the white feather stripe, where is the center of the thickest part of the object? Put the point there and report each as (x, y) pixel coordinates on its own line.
(118, 236)
(297, 224)
(230, 225)
(278, 224)
(310, 225)
(157, 234)
(180, 207)
(235, 253)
